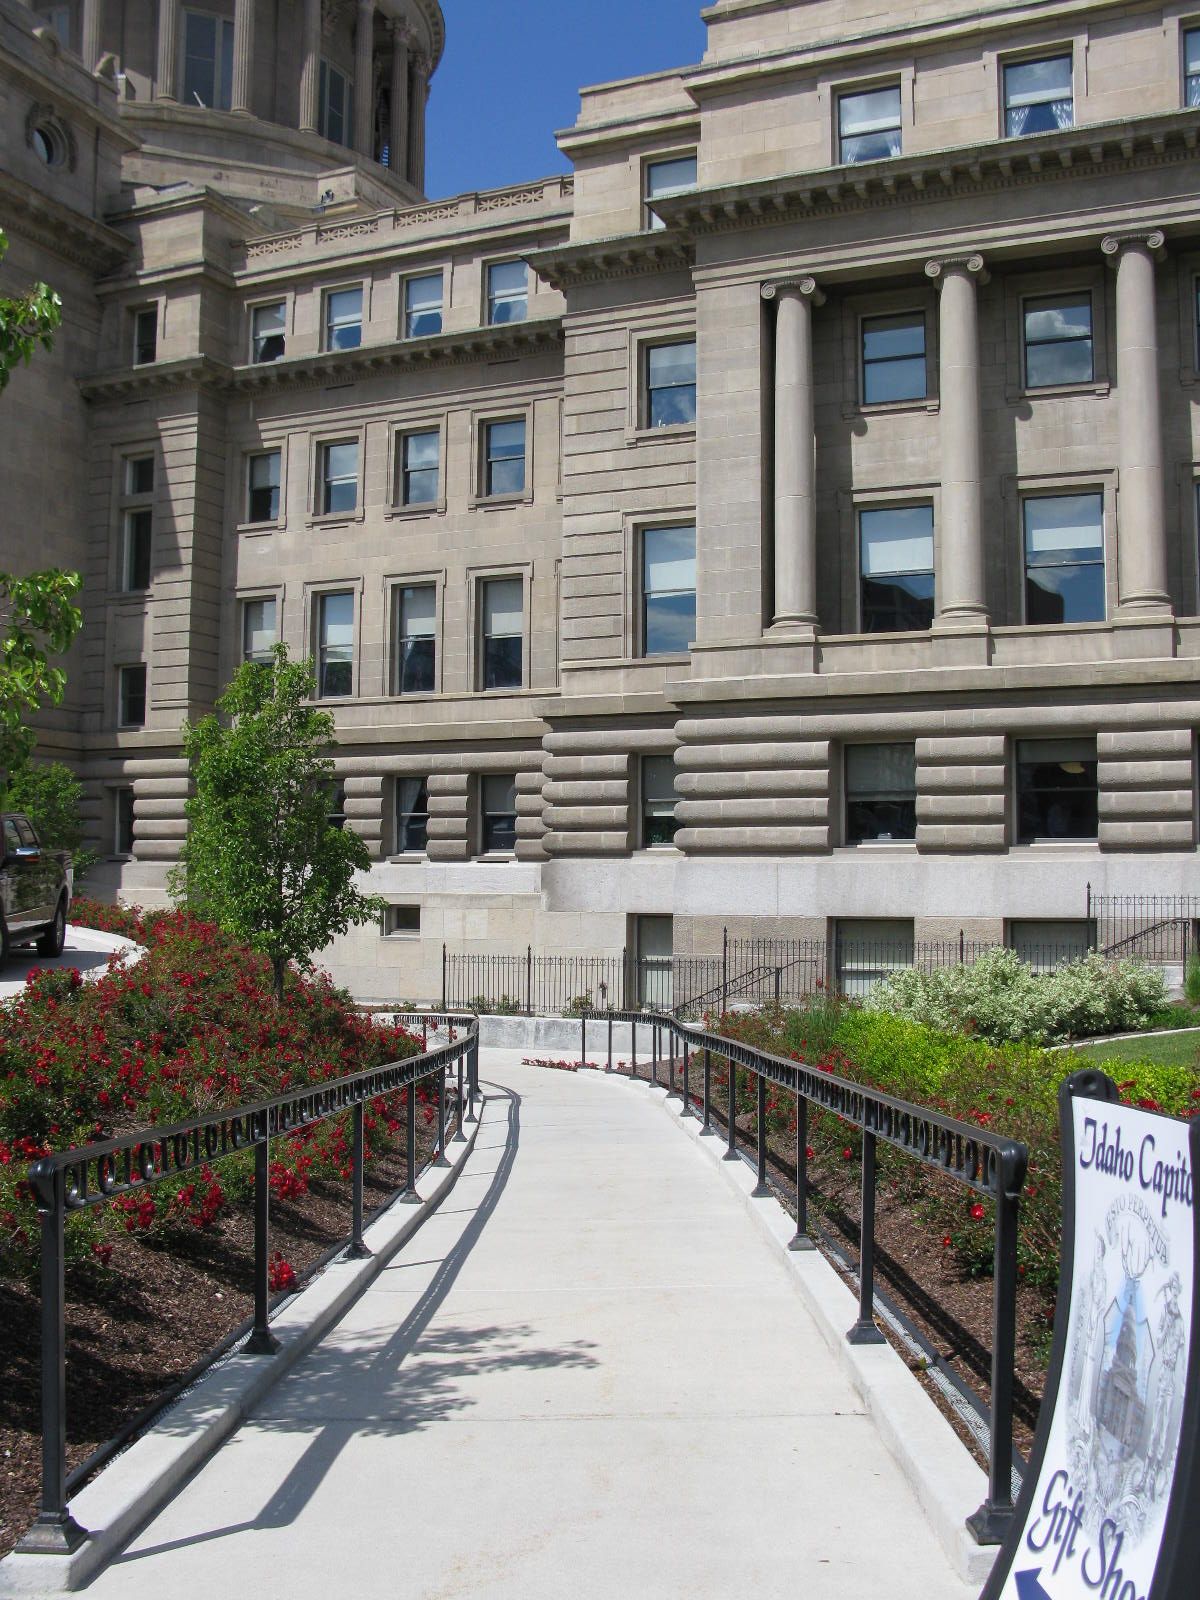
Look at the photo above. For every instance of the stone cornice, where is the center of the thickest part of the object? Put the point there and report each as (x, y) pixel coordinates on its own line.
(1090, 150)
(66, 233)
(564, 266)
(510, 342)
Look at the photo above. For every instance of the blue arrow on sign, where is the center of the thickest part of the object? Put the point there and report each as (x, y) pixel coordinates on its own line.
(1028, 1586)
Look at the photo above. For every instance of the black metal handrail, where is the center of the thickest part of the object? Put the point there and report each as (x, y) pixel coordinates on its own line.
(89, 1175)
(990, 1164)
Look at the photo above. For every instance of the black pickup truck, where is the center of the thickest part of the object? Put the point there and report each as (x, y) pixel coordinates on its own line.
(35, 889)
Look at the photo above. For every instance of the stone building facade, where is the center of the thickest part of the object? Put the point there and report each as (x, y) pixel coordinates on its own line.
(788, 522)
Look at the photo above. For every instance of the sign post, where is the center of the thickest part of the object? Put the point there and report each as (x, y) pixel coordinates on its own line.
(1110, 1506)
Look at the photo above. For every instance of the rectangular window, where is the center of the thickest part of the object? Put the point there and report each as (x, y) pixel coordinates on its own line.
(502, 609)
(419, 465)
(498, 808)
(335, 105)
(135, 557)
(139, 475)
(507, 291)
(668, 590)
(1056, 789)
(268, 340)
(1064, 558)
(1038, 97)
(412, 815)
(1191, 67)
(145, 336)
(1046, 944)
(423, 306)
(867, 950)
(869, 125)
(658, 800)
(416, 639)
(123, 822)
(131, 696)
(654, 941)
(893, 358)
(343, 318)
(881, 792)
(337, 805)
(207, 60)
(335, 645)
(339, 477)
(504, 457)
(677, 175)
(1058, 340)
(402, 922)
(259, 629)
(670, 384)
(897, 568)
(262, 487)
(59, 18)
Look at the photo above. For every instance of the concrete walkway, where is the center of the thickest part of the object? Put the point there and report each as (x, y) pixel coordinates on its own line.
(589, 1374)
(85, 948)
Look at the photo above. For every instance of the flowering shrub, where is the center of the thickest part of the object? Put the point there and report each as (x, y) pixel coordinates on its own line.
(1000, 998)
(189, 1027)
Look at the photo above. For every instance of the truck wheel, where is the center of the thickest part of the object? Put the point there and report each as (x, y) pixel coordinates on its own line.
(52, 941)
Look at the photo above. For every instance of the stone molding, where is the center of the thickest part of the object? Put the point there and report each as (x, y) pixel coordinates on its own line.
(972, 264)
(1153, 239)
(806, 286)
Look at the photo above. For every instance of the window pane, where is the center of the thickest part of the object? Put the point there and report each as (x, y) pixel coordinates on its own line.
(894, 358)
(420, 452)
(1065, 594)
(258, 629)
(145, 337)
(139, 475)
(412, 813)
(133, 696)
(503, 609)
(267, 325)
(498, 793)
(658, 800)
(199, 59)
(881, 792)
(263, 499)
(507, 292)
(505, 449)
(138, 533)
(418, 625)
(340, 473)
(1029, 82)
(1056, 789)
(423, 306)
(668, 590)
(670, 559)
(871, 112)
(343, 319)
(867, 950)
(670, 177)
(336, 644)
(898, 539)
(671, 384)
(1063, 527)
(1191, 50)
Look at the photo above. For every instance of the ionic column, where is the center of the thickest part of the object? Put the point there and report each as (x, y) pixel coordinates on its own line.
(364, 78)
(794, 464)
(90, 44)
(398, 134)
(241, 98)
(168, 49)
(310, 72)
(961, 589)
(1141, 521)
(416, 136)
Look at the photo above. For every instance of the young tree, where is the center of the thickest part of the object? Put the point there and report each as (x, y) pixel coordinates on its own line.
(262, 858)
(37, 613)
(50, 794)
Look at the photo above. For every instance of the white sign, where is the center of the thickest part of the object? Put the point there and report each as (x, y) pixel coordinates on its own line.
(1093, 1521)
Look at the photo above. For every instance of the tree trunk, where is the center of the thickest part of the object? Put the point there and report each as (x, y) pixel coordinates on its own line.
(278, 967)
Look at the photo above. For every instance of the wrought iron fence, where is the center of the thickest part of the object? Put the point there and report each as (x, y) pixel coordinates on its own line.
(745, 972)
(988, 1163)
(1161, 928)
(93, 1174)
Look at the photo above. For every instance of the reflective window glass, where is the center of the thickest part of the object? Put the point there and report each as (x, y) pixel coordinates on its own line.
(869, 125)
(671, 384)
(893, 358)
(1058, 340)
(1038, 97)
(668, 590)
(508, 291)
(416, 639)
(897, 568)
(1064, 558)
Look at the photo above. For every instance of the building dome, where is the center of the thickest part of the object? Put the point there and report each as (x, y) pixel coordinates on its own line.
(265, 95)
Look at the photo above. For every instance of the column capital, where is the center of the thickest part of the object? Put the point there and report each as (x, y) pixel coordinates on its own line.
(403, 32)
(806, 287)
(1151, 240)
(969, 265)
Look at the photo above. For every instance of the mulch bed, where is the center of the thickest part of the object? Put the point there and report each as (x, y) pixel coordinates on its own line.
(143, 1321)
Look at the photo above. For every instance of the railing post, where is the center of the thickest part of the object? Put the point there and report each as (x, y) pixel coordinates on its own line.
(583, 1039)
(409, 1194)
(962, 947)
(459, 1135)
(778, 985)
(655, 1040)
(472, 1078)
(724, 970)
(990, 1523)
(632, 1049)
(864, 1330)
(706, 1128)
(356, 1249)
(671, 1063)
(528, 980)
(444, 1001)
(608, 1068)
(762, 1188)
(731, 1131)
(441, 1160)
(262, 1342)
(685, 1109)
(55, 1532)
(801, 1239)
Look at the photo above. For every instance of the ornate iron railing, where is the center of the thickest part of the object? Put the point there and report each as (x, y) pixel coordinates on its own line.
(990, 1164)
(93, 1174)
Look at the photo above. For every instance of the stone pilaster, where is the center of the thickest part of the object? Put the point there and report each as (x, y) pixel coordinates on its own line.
(794, 463)
(364, 78)
(1141, 518)
(241, 98)
(398, 135)
(961, 596)
(166, 85)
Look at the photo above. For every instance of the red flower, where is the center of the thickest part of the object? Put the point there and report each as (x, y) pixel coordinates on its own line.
(280, 1274)
(847, 1153)
(977, 1211)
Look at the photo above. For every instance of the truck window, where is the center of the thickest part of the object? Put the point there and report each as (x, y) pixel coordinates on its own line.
(28, 837)
(11, 837)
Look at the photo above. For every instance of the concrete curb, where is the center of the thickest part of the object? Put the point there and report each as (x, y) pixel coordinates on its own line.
(131, 1489)
(947, 1482)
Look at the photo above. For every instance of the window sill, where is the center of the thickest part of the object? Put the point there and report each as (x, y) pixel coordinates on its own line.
(399, 938)
(904, 846)
(331, 519)
(427, 508)
(676, 432)
(274, 526)
(1062, 391)
(495, 857)
(407, 857)
(658, 850)
(500, 502)
(1057, 844)
(512, 688)
(116, 596)
(931, 405)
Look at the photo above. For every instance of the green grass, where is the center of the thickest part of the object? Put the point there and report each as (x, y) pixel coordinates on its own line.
(1164, 1049)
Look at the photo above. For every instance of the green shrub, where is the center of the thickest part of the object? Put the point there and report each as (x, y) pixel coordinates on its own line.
(999, 998)
(1191, 981)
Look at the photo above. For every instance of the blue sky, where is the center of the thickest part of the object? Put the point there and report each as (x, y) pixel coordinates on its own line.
(513, 69)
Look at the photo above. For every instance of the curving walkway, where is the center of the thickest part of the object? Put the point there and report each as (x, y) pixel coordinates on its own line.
(589, 1374)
